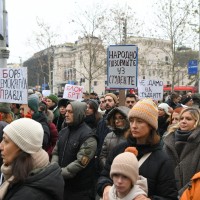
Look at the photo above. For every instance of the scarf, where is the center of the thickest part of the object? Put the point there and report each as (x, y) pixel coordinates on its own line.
(40, 160)
(6, 170)
(181, 138)
(133, 193)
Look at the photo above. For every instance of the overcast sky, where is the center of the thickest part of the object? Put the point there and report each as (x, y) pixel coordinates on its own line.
(22, 16)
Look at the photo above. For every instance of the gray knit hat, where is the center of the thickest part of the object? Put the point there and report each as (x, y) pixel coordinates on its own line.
(126, 164)
(26, 133)
(5, 107)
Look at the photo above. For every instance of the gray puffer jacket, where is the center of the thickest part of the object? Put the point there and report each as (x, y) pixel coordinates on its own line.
(117, 135)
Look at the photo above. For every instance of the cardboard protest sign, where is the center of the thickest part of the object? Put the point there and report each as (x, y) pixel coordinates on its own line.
(46, 93)
(122, 64)
(13, 85)
(150, 89)
(73, 92)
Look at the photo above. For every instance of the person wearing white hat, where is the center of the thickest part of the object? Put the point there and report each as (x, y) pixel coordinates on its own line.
(26, 172)
(163, 118)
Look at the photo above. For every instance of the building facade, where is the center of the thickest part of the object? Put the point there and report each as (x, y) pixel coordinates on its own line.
(84, 63)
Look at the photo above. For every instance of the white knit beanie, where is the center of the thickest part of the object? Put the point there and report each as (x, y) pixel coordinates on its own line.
(26, 133)
(126, 164)
(165, 107)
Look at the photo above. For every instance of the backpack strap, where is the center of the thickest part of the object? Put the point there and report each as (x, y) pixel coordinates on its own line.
(144, 157)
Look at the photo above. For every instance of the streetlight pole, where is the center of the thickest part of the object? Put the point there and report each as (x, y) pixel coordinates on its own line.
(4, 53)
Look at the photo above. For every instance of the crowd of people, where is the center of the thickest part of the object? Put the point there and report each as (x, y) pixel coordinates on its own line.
(61, 149)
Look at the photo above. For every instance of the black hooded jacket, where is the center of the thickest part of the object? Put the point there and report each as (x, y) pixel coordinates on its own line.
(157, 169)
(46, 184)
(73, 142)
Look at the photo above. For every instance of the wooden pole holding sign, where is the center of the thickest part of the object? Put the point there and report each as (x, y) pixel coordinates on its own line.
(121, 97)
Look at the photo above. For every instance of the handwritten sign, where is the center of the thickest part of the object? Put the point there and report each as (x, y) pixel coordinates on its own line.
(73, 92)
(150, 89)
(122, 64)
(13, 85)
(46, 93)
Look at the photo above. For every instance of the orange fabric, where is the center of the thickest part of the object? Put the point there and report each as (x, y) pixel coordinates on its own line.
(193, 190)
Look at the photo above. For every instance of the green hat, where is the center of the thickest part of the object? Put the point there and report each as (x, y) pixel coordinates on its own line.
(33, 102)
(53, 98)
(5, 107)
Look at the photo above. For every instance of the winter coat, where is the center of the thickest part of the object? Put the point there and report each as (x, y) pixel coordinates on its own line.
(75, 151)
(156, 168)
(135, 191)
(55, 110)
(42, 119)
(115, 137)
(163, 123)
(58, 121)
(46, 184)
(53, 138)
(188, 162)
(110, 141)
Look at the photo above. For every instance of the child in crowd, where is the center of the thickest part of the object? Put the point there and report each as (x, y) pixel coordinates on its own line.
(125, 173)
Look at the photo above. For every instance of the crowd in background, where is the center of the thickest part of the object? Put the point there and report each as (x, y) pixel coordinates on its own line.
(95, 148)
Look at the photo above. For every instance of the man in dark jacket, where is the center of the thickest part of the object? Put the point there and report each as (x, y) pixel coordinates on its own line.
(74, 152)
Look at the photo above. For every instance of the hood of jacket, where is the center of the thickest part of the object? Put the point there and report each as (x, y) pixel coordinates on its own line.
(79, 110)
(123, 110)
(49, 180)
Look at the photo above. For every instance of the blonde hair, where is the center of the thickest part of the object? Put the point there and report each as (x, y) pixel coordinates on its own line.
(194, 112)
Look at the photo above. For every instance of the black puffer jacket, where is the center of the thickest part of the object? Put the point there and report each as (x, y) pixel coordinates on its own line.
(47, 184)
(157, 169)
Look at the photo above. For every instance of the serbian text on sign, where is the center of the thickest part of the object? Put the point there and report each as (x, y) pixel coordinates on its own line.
(73, 92)
(122, 61)
(13, 85)
(150, 89)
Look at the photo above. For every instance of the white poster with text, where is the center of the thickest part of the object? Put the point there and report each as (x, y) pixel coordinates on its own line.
(122, 64)
(13, 85)
(150, 89)
(73, 92)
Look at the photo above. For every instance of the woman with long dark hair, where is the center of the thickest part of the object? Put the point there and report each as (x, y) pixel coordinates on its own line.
(26, 172)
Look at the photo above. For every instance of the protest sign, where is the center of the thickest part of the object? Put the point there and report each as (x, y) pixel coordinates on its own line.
(13, 85)
(150, 89)
(73, 92)
(46, 93)
(122, 63)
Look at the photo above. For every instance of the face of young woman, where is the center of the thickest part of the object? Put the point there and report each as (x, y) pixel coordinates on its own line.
(62, 110)
(175, 117)
(139, 129)
(123, 184)
(89, 110)
(187, 122)
(161, 112)
(119, 120)
(9, 150)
